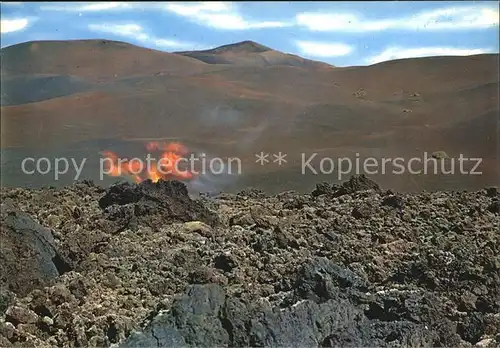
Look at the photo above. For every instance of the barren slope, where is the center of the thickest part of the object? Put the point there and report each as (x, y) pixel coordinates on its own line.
(237, 107)
(249, 53)
(96, 60)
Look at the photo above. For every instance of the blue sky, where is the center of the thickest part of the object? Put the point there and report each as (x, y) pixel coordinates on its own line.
(339, 33)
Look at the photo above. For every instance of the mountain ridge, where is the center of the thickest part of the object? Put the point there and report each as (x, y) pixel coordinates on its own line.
(247, 47)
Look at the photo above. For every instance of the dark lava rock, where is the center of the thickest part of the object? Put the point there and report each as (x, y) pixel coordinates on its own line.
(168, 200)
(471, 328)
(357, 183)
(320, 280)
(492, 191)
(224, 262)
(243, 219)
(363, 211)
(393, 201)
(324, 188)
(494, 207)
(6, 299)
(22, 315)
(202, 275)
(192, 320)
(426, 278)
(295, 202)
(28, 257)
(206, 316)
(123, 217)
(78, 288)
(252, 193)
(262, 217)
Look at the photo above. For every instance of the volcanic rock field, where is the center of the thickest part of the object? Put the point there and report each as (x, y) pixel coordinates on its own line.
(346, 265)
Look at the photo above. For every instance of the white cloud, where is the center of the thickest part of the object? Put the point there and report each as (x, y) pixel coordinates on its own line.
(323, 49)
(392, 53)
(192, 9)
(117, 29)
(12, 25)
(339, 22)
(452, 18)
(12, 3)
(219, 15)
(137, 32)
(87, 6)
(470, 17)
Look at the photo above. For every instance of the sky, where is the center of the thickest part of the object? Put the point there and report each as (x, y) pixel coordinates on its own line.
(339, 33)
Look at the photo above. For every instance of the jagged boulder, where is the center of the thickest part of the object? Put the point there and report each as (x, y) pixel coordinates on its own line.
(28, 257)
(153, 204)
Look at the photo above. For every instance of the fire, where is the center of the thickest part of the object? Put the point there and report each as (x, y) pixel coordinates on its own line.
(166, 166)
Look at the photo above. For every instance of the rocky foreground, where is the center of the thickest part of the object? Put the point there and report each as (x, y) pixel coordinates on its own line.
(147, 266)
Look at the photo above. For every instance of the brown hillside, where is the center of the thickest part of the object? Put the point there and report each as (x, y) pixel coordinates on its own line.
(249, 53)
(397, 108)
(96, 60)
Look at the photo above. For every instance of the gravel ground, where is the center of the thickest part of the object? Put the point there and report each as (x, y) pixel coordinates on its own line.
(348, 265)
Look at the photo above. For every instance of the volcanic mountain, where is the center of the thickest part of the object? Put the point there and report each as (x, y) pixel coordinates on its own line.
(77, 98)
(249, 53)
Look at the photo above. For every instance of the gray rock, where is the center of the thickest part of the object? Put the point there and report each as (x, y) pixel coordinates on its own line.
(318, 278)
(263, 217)
(321, 279)
(393, 201)
(492, 191)
(357, 183)
(29, 259)
(494, 207)
(206, 316)
(363, 211)
(241, 220)
(20, 315)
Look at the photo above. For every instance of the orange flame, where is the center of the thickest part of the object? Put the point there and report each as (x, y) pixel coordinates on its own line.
(166, 167)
